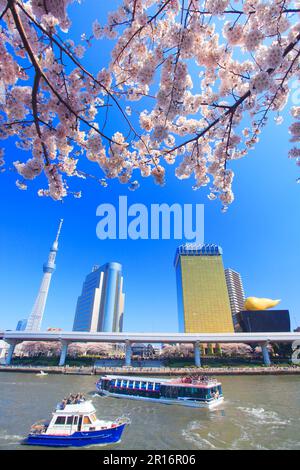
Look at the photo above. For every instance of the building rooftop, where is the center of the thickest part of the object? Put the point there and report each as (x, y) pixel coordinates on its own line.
(197, 249)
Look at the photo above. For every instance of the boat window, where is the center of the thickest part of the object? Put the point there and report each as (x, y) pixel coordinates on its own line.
(150, 386)
(70, 420)
(60, 420)
(137, 384)
(131, 384)
(144, 385)
(75, 419)
(118, 384)
(157, 386)
(125, 382)
(86, 420)
(93, 417)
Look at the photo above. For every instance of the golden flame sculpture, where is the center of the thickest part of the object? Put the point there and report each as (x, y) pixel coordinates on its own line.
(255, 303)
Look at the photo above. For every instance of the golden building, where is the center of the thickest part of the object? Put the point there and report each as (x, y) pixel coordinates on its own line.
(203, 301)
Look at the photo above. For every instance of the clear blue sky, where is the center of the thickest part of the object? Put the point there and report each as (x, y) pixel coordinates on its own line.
(259, 235)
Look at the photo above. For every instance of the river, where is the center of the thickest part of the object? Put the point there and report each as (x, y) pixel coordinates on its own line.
(259, 412)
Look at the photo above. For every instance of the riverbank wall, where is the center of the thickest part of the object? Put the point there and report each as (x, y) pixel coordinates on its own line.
(155, 371)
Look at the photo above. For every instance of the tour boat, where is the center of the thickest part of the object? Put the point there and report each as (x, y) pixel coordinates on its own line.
(76, 425)
(196, 391)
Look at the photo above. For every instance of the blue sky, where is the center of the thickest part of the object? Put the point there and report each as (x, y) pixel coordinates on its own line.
(259, 235)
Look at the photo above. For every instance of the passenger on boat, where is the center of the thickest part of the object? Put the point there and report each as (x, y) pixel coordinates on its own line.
(71, 400)
(187, 380)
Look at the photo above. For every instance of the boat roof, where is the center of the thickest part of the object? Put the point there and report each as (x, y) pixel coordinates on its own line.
(199, 384)
(210, 382)
(78, 408)
(125, 377)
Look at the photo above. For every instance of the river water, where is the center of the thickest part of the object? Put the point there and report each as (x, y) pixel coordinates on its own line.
(259, 412)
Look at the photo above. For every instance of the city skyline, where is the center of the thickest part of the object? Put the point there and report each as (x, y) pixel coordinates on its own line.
(100, 307)
(175, 313)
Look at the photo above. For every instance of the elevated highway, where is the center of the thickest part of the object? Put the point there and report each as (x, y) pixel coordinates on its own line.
(127, 338)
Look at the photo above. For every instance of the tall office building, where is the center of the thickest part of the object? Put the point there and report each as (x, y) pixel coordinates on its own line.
(236, 295)
(100, 307)
(35, 318)
(203, 301)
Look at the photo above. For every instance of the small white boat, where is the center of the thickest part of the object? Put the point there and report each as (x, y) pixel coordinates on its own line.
(41, 374)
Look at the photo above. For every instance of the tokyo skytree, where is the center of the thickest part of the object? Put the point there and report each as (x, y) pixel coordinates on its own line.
(35, 318)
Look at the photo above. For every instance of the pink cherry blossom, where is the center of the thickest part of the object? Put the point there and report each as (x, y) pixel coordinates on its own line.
(189, 84)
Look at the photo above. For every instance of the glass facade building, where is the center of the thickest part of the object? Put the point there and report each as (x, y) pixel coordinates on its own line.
(203, 301)
(100, 307)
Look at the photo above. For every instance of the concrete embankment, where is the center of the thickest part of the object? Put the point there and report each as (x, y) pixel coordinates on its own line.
(156, 371)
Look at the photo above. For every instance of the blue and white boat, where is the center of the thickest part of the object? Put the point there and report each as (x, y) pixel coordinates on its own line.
(76, 425)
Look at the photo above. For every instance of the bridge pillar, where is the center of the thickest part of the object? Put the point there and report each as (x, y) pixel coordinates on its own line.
(128, 352)
(265, 353)
(12, 344)
(63, 353)
(197, 354)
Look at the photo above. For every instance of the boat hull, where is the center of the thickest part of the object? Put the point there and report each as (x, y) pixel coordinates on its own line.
(191, 403)
(77, 439)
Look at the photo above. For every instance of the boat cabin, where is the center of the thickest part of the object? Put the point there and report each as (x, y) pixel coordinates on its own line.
(74, 418)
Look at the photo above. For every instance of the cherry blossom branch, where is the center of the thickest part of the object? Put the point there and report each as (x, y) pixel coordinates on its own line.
(233, 108)
(86, 72)
(39, 71)
(35, 89)
(4, 12)
(141, 29)
(76, 62)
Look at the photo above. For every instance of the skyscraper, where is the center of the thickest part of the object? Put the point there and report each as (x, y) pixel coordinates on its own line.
(236, 294)
(203, 301)
(35, 318)
(100, 306)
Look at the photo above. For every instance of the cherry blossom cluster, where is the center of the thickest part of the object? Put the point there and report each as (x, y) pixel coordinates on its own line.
(295, 135)
(207, 72)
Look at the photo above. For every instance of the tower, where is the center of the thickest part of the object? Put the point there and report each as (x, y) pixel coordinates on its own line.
(236, 294)
(35, 318)
(100, 306)
(203, 301)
